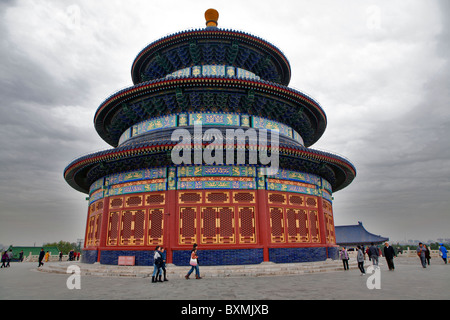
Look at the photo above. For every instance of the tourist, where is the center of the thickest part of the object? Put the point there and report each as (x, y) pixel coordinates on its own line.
(421, 252)
(41, 257)
(47, 256)
(374, 253)
(360, 259)
(344, 258)
(60, 255)
(157, 260)
(427, 254)
(21, 256)
(4, 259)
(194, 263)
(163, 264)
(10, 256)
(389, 254)
(443, 252)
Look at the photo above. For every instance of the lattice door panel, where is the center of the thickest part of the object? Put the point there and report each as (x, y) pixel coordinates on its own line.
(244, 197)
(314, 229)
(155, 234)
(226, 225)
(293, 225)
(97, 228)
(155, 199)
(113, 228)
(188, 225)
(208, 227)
(277, 234)
(90, 241)
(132, 227)
(329, 228)
(247, 225)
(303, 226)
(217, 197)
(217, 225)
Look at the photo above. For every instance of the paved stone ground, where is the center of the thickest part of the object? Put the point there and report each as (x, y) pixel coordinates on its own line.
(409, 281)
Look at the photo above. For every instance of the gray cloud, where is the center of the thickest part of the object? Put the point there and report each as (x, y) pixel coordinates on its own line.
(379, 72)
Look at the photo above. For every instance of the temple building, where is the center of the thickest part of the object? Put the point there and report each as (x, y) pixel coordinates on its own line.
(354, 235)
(210, 146)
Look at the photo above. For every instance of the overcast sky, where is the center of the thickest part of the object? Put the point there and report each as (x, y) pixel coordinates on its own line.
(379, 69)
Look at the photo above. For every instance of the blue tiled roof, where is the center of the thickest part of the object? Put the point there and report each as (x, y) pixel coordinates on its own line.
(356, 234)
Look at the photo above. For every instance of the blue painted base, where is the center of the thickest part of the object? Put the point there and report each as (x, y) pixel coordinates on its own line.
(291, 255)
(89, 256)
(218, 257)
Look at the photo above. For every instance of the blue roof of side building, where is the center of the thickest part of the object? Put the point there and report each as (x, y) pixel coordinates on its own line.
(356, 234)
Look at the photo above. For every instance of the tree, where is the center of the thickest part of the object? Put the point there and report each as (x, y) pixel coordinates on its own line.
(63, 246)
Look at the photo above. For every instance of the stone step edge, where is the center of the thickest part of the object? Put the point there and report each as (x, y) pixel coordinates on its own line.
(269, 269)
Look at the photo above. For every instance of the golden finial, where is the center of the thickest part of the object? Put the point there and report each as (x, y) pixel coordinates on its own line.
(211, 16)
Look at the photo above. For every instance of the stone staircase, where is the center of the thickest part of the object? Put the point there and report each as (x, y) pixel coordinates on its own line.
(173, 272)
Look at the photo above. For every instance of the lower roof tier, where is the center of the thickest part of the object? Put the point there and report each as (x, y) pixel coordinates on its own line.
(159, 151)
(201, 94)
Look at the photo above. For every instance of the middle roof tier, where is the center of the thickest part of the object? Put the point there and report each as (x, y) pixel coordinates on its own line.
(214, 94)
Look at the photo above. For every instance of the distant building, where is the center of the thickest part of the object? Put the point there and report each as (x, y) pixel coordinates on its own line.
(33, 250)
(354, 235)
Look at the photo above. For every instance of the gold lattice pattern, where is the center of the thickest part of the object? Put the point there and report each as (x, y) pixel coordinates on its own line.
(294, 219)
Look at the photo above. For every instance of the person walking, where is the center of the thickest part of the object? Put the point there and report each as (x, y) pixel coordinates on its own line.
(47, 256)
(9, 257)
(427, 254)
(344, 258)
(421, 253)
(360, 259)
(163, 264)
(41, 257)
(443, 252)
(157, 260)
(389, 254)
(21, 256)
(194, 264)
(374, 254)
(4, 259)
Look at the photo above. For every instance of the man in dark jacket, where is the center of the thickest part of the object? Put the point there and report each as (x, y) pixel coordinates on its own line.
(389, 254)
(373, 254)
(41, 257)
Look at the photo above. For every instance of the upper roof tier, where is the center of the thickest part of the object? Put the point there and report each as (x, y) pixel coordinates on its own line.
(211, 46)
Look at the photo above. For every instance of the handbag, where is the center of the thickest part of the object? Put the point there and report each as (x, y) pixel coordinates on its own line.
(193, 262)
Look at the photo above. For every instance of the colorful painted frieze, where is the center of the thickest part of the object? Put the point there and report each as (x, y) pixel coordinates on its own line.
(148, 186)
(96, 185)
(262, 123)
(213, 70)
(186, 72)
(291, 186)
(227, 171)
(144, 174)
(97, 195)
(298, 176)
(125, 136)
(216, 183)
(214, 119)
